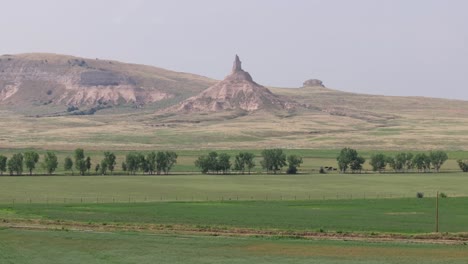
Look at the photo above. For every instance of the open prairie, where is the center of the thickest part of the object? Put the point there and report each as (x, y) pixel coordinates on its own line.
(341, 119)
(258, 218)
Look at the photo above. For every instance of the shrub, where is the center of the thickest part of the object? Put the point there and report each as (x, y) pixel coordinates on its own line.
(442, 195)
(420, 195)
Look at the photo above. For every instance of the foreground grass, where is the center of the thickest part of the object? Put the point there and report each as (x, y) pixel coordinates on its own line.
(56, 189)
(410, 215)
(28, 246)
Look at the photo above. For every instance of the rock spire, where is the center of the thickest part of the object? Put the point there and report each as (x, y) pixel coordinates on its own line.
(237, 66)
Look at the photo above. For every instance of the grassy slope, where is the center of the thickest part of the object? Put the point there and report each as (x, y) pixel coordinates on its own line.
(356, 120)
(23, 246)
(410, 215)
(374, 122)
(216, 187)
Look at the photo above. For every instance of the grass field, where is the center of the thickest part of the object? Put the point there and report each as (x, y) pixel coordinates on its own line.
(406, 215)
(49, 247)
(341, 119)
(60, 189)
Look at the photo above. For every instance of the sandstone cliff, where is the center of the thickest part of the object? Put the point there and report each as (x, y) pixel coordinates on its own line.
(43, 79)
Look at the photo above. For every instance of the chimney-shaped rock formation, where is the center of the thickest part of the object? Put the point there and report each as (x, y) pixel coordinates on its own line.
(238, 74)
(236, 92)
(237, 66)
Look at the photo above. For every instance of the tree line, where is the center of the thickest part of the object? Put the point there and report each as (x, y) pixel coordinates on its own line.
(349, 159)
(273, 160)
(152, 163)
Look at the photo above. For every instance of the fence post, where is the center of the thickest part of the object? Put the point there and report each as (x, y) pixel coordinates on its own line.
(437, 212)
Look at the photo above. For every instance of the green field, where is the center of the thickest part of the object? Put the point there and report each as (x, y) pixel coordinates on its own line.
(404, 215)
(49, 247)
(60, 189)
(255, 218)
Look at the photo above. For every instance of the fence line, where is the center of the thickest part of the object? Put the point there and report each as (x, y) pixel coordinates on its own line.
(207, 198)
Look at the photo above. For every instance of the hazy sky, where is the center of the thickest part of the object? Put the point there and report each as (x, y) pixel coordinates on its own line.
(393, 47)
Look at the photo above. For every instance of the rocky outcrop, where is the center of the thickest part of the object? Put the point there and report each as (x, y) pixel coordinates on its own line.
(43, 79)
(237, 91)
(313, 82)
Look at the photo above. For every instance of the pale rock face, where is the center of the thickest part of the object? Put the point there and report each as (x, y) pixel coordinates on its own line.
(237, 91)
(25, 80)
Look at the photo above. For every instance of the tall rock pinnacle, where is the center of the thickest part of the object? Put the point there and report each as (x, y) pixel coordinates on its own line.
(236, 92)
(237, 65)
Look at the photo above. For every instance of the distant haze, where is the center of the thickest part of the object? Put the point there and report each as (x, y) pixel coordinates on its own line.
(391, 47)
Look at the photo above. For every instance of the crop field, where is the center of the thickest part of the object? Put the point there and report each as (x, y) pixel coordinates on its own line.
(51, 247)
(27, 246)
(108, 189)
(402, 216)
(257, 218)
(232, 232)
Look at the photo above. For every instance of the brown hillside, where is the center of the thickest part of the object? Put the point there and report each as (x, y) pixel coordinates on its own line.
(49, 79)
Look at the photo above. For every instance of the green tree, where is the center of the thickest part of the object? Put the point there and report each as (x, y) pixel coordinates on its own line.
(273, 160)
(80, 162)
(438, 158)
(422, 162)
(208, 163)
(378, 162)
(171, 160)
(88, 164)
(294, 162)
(244, 161)
(409, 161)
(350, 159)
(463, 165)
(132, 162)
(109, 160)
(401, 162)
(151, 159)
(97, 169)
(203, 164)
(68, 164)
(30, 160)
(15, 164)
(224, 163)
(124, 166)
(142, 162)
(165, 161)
(3, 164)
(356, 164)
(50, 163)
(103, 167)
